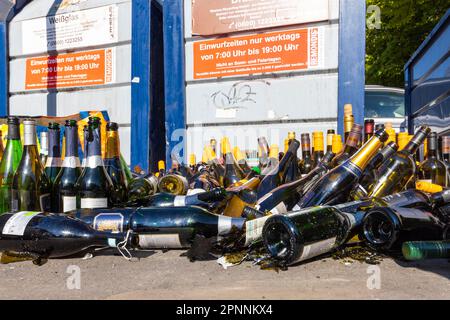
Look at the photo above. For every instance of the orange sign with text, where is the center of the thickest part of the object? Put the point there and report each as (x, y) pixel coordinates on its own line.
(261, 53)
(87, 68)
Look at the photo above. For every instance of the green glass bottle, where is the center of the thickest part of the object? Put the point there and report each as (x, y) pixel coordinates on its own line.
(10, 162)
(421, 250)
(53, 163)
(432, 170)
(30, 188)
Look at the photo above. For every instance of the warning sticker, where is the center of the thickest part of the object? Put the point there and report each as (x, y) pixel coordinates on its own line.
(86, 68)
(262, 53)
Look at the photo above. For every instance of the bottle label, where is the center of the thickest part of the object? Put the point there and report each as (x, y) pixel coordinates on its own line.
(15, 226)
(318, 248)
(94, 162)
(92, 203)
(159, 241)
(224, 225)
(71, 162)
(279, 209)
(179, 201)
(69, 203)
(53, 162)
(110, 222)
(253, 229)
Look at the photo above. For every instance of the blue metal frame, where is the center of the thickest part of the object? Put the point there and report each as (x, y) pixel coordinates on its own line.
(352, 57)
(175, 84)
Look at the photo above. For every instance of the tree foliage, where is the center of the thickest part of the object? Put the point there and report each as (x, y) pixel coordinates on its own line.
(404, 26)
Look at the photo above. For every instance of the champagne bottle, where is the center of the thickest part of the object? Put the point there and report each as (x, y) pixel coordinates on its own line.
(432, 169)
(386, 228)
(10, 162)
(141, 188)
(44, 147)
(422, 250)
(306, 234)
(173, 184)
(306, 164)
(161, 227)
(348, 120)
(113, 165)
(336, 185)
(351, 145)
(242, 195)
(94, 186)
(318, 148)
(53, 163)
(64, 188)
(369, 125)
(49, 235)
(395, 173)
(31, 187)
(233, 172)
(203, 199)
(278, 174)
(370, 174)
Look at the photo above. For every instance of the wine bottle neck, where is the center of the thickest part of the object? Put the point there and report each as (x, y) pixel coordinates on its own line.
(413, 145)
(13, 132)
(112, 145)
(29, 135)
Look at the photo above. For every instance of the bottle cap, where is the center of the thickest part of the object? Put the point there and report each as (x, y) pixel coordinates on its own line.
(291, 135)
(428, 187)
(225, 145)
(192, 160)
(402, 139)
(274, 151)
(161, 165)
(112, 126)
(331, 131)
(71, 123)
(13, 120)
(318, 141)
(388, 125)
(369, 126)
(256, 170)
(392, 135)
(238, 155)
(337, 144)
(208, 154)
(348, 109)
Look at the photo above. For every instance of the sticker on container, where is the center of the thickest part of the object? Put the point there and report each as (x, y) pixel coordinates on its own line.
(159, 241)
(69, 203)
(15, 226)
(318, 248)
(93, 203)
(111, 222)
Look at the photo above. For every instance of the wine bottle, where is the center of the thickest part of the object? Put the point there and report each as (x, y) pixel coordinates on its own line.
(306, 234)
(233, 172)
(53, 163)
(348, 120)
(10, 162)
(402, 138)
(351, 145)
(44, 147)
(395, 173)
(306, 164)
(293, 171)
(141, 188)
(242, 195)
(113, 166)
(203, 199)
(64, 188)
(263, 152)
(273, 161)
(336, 185)
(278, 174)
(386, 228)
(49, 235)
(241, 160)
(161, 227)
(173, 184)
(94, 186)
(337, 145)
(217, 168)
(369, 125)
(370, 174)
(422, 250)
(318, 148)
(432, 169)
(330, 134)
(31, 187)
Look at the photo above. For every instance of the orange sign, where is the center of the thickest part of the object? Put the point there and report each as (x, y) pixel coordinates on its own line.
(262, 53)
(227, 16)
(87, 68)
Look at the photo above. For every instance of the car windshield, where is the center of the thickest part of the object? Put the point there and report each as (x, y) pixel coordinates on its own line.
(384, 105)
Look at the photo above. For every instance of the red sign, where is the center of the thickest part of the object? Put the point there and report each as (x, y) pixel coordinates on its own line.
(262, 53)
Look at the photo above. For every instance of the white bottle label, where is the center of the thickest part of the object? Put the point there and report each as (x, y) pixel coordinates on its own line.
(318, 248)
(94, 162)
(191, 192)
(69, 203)
(71, 162)
(253, 229)
(224, 225)
(93, 203)
(159, 241)
(16, 225)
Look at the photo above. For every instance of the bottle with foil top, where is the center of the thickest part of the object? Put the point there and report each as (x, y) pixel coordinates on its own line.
(53, 163)
(306, 164)
(64, 188)
(9, 163)
(369, 127)
(330, 134)
(337, 145)
(94, 186)
(349, 120)
(44, 147)
(318, 148)
(31, 187)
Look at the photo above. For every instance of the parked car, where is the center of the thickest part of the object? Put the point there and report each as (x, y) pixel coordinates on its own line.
(384, 104)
